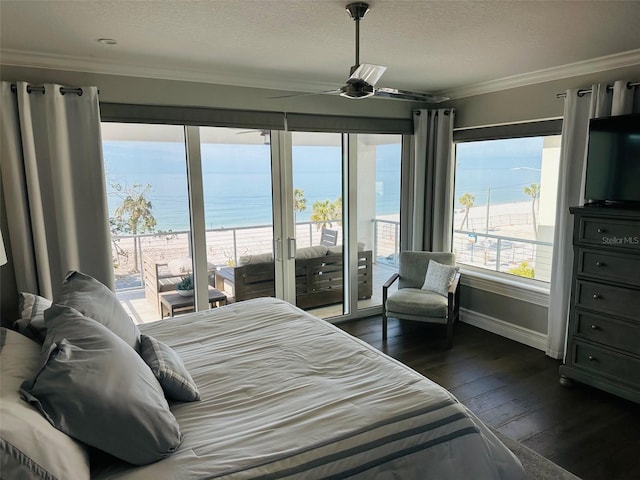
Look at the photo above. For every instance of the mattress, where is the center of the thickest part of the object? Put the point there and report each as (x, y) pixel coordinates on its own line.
(287, 395)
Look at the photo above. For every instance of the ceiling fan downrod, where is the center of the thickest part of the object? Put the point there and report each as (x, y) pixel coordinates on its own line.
(357, 11)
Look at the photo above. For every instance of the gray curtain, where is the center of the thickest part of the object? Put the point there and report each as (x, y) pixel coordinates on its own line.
(427, 184)
(53, 186)
(579, 108)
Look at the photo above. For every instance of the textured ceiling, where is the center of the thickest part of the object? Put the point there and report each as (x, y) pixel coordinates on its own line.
(308, 45)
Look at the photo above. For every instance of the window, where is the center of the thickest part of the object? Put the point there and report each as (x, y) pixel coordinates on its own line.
(504, 204)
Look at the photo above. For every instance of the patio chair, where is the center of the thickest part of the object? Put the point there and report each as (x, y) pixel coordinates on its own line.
(427, 291)
(329, 238)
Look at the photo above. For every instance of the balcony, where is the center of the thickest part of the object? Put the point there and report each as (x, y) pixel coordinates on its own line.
(225, 247)
(493, 251)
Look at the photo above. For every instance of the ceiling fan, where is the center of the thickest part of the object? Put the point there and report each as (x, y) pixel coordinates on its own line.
(364, 76)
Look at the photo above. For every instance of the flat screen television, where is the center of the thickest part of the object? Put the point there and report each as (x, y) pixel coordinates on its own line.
(613, 161)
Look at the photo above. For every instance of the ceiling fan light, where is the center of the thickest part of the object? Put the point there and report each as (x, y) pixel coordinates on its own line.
(357, 90)
(368, 73)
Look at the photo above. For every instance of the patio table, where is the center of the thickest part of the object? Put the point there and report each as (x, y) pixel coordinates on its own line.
(171, 302)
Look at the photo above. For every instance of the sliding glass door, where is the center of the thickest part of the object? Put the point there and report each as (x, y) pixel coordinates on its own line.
(309, 217)
(317, 165)
(148, 201)
(236, 175)
(378, 189)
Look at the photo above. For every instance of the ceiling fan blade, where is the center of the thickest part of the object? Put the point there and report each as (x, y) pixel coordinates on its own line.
(368, 73)
(291, 95)
(306, 94)
(408, 95)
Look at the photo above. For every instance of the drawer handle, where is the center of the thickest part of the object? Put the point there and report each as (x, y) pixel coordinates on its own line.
(602, 230)
(595, 327)
(600, 264)
(592, 358)
(596, 296)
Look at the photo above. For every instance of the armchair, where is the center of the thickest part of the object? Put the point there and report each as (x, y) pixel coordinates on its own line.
(412, 302)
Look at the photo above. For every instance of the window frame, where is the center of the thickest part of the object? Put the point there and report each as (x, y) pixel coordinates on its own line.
(520, 288)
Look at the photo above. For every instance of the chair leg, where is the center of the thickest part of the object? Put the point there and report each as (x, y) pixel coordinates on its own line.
(449, 343)
(384, 324)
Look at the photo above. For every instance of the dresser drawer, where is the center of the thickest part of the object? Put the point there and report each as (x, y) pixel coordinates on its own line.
(607, 299)
(609, 232)
(603, 265)
(607, 363)
(612, 333)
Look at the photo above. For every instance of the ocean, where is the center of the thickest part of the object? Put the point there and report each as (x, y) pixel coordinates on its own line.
(237, 179)
(497, 170)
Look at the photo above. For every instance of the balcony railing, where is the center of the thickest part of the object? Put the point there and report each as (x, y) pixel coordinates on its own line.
(225, 246)
(386, 241)
(503, 254)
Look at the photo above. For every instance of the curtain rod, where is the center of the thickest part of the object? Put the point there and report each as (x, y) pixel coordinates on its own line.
(447, 111)
(63, 90)
(588, 90)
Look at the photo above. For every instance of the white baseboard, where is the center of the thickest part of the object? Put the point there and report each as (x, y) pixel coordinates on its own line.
(500, 327)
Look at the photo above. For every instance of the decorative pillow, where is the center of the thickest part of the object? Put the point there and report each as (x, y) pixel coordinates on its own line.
(94, 387)
(253, 259)
(29, 446)
(31, 309)
(182, 266)
(311, 252)
(439, 277)
(337, 249)
(169, 369)
(91, 298)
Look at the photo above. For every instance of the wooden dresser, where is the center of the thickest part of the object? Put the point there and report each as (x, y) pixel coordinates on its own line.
(603, 337)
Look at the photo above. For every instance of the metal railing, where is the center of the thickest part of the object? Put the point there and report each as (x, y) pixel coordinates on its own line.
(501, 253)
(386, 241)
(225, 246)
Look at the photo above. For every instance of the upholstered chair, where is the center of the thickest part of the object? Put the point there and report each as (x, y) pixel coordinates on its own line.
(432, 298)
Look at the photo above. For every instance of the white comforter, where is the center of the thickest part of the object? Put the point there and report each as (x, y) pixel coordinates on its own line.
(286, 395)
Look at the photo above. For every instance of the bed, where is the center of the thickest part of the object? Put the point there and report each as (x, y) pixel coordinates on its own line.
(286, 395)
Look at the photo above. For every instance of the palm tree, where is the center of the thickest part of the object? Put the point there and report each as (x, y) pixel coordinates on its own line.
(533, 191)
(322, 212)
(467, 201)
(325, 212)
(134, 214)
(337, 209)
(299, 201)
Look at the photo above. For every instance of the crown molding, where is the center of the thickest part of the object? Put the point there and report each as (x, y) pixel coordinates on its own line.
(110, 67)
(252, 80)
(600, 64)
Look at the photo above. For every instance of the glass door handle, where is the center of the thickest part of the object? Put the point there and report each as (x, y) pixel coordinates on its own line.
(292, 247)
(276, 250)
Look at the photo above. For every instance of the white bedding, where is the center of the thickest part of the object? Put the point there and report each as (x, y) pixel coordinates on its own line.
(286, 395)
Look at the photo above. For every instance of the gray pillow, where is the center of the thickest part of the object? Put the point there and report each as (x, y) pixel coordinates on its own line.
(27, 440)
(94, 387)
(91, 298)
(439, 277)
(169, 369)
(31, 309)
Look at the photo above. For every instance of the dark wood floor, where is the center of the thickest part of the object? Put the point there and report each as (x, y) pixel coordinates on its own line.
(515, 389)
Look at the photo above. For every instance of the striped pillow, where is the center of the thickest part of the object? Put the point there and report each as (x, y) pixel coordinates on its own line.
(169, 369)
(31, 309)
